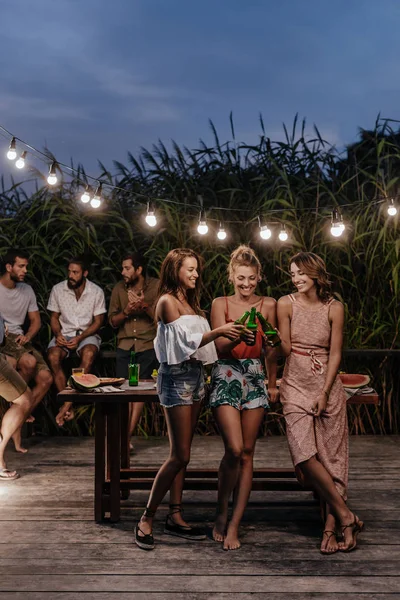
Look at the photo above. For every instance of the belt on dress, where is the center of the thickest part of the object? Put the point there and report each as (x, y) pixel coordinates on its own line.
(316, 364)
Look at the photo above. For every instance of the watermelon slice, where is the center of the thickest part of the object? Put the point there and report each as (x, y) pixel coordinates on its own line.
(354, 381)
(83, 383)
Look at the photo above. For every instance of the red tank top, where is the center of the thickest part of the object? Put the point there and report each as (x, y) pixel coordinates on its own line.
(242, 350)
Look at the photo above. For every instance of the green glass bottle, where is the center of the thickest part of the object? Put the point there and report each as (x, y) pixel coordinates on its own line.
(252, 326)
(242, 320)
(133, 369)
(269, 331)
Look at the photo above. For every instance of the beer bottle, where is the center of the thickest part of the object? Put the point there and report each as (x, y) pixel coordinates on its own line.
(269, 331)
(242, 320)
(252, 326)
(133, 369)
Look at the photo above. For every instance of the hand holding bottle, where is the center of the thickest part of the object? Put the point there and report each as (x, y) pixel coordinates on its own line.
(232, 331)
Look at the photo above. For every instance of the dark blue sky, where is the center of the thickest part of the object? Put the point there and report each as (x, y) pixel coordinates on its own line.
(92, 79)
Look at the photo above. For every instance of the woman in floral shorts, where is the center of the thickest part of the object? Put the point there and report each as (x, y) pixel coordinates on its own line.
(238, 393)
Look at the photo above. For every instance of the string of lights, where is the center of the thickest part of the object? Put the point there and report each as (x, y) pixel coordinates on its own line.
(93, 195)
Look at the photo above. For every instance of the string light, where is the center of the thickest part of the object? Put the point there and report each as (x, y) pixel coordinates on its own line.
(391, 209)
(151, 218)
(265, 232)
(337, 226)
(221, 235)
(97, 199)
(20, 163)
(52, 178)
(283, 234)
(202, 227)
(12, 151)
(85, 198)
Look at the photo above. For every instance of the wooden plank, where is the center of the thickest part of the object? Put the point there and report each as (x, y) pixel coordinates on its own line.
(166, 595)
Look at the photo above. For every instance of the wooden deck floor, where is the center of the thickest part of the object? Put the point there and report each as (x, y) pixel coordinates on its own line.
(50, 548)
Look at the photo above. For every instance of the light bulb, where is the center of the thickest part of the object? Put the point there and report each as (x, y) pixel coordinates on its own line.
(337, 230)
(221, 235)
(52, 178)
(12, 152)
(151, 218)
(20, 163)
(202, 227)
(283, 234)
(265, 232)
(392, 210)
(85, 198)
(95, 202)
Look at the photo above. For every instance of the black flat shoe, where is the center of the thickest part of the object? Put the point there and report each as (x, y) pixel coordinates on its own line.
(186, 532)
(144, 541)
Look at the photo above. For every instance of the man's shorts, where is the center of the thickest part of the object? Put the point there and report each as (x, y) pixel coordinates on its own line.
(182, 384)
(95, 340)
(12, 386)
(11, 348)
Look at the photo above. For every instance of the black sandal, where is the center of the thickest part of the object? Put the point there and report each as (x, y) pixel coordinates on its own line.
(184, 531)
(146, 540)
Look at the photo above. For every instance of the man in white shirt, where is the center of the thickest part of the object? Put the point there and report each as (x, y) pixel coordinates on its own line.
(18, 304)
(77, 312)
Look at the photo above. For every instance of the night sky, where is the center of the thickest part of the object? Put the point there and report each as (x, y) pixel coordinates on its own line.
(92, 79)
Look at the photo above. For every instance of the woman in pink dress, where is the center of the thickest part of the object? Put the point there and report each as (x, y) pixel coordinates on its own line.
(314, 402)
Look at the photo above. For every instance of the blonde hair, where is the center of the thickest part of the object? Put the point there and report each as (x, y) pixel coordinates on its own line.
(243, 256)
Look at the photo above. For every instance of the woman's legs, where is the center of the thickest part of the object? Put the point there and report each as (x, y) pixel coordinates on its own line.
(230, 426)
(251, 421)
(176, 490)
(323, 483)
(179, 424)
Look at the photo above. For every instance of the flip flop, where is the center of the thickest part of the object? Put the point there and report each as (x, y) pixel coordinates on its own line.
(4, 477)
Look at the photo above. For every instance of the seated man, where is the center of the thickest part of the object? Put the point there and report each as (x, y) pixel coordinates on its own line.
(77, 312)
(17, 302)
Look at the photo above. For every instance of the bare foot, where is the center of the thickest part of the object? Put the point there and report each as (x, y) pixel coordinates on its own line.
(231, 541)
(30, 419)
(219, 529)
(21, 449)
(329, 544)
(350, 532)
(65, 413)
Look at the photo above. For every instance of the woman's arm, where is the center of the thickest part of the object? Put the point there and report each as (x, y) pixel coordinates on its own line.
(336, 318)
(269, 312)
(224, 346)
(284, 317)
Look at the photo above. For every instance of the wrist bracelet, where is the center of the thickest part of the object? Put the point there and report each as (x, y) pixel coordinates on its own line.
(326, 393)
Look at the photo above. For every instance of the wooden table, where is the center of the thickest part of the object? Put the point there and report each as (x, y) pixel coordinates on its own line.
(114, 476)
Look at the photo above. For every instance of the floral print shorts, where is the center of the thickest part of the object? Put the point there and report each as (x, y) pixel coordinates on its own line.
(182, 384)
(239, 383)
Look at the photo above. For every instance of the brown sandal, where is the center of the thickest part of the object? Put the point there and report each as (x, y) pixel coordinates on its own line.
(330, 533)
(356, 527)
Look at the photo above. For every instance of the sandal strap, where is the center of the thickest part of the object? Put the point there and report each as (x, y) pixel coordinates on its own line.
(174, 509)
(149, 513)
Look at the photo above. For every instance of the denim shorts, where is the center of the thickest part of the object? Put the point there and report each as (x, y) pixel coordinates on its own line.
(182, 384)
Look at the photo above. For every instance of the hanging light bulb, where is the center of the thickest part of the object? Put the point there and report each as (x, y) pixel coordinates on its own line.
(338, 226)
(12, 151)
(391, 210)
(97, 199)
(221, 235)
(202, 227)
(151, 218)
(20, 163)
(85, 198)
(265, 232)
(283, 234)
(52, 178)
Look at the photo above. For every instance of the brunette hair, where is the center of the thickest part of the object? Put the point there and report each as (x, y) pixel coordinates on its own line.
(137, 260)
(11, 256)
(243, 256)
(313, 266)
(80, 260)
(169, 277)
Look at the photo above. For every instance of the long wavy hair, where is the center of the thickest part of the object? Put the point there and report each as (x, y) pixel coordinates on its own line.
(169, 277)
(243, 256)
(312, 265)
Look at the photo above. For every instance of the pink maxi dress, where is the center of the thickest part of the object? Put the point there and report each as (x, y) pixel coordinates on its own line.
(303, 379)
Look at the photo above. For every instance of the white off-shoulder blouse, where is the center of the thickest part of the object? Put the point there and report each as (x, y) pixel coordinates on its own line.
(180, 340)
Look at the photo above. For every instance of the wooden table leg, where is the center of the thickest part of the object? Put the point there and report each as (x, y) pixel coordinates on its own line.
(99, 462)
(125, 452)
(114, 444)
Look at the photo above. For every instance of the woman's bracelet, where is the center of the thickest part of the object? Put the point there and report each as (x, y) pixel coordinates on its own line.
(326, 393)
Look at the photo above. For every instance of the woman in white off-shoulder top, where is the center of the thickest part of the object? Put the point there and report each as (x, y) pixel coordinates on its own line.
(184, 342)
